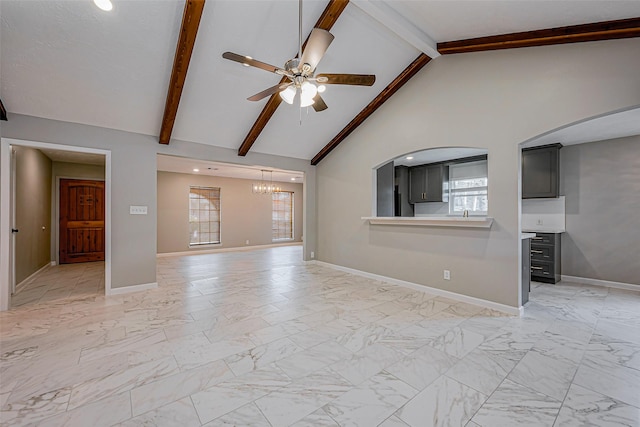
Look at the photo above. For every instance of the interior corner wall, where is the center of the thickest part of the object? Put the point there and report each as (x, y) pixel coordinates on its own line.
(33, 212)
(244, 215)
(494, 100)
(601, 184)
(67, 170)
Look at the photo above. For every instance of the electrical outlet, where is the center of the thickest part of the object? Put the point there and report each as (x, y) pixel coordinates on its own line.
(447, 275)
(540, 222)
(313, 255)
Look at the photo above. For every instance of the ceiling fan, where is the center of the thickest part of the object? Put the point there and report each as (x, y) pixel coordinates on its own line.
(300, 71)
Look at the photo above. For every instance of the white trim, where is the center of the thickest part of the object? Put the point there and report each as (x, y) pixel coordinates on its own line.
(234, 249)
(598, 282)
(132, 288)
(398, 24)
(516, 311)
(5, 194)
(432, 221)
(32, 276)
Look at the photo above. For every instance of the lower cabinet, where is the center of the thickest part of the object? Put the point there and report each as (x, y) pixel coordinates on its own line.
(545, 258)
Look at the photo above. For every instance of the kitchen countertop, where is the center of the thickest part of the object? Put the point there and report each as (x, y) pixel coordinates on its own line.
(542, 230)
(524, 235)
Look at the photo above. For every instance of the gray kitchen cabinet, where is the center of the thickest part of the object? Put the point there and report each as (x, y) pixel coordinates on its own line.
(545, 257)
(426, 183)
(541, 172)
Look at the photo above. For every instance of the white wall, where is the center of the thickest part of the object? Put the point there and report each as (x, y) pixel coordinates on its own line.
(492, 100)
(601, 183)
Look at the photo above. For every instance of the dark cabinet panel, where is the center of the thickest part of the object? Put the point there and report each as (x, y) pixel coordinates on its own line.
(426, 183)
(526, 271)
(541, 171)
(385, 185)
(402, 205)
(417, 183)
(436, 176)
(545, 257)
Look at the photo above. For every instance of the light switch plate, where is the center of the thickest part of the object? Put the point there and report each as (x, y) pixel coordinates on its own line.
(137, 210)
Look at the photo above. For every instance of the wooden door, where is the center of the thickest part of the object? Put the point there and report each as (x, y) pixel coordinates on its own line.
(81, 221)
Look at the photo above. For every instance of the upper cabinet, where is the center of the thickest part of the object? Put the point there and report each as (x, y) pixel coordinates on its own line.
(426, 183)
(541, 172)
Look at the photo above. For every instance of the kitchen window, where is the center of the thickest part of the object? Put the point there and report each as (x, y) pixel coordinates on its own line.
(468, 188)
(282, 216)
(204, 215)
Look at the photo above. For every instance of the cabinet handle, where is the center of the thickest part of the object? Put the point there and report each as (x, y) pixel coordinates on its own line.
(536, 268)
(535, 252)
(536, 238)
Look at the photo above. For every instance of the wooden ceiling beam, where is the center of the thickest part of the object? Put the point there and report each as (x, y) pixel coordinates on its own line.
(3, 112)
(329, 17)
(382, 97)
(188, 31)
(608, 30)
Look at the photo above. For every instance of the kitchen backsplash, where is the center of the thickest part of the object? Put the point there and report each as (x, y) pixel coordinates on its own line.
(543, 214)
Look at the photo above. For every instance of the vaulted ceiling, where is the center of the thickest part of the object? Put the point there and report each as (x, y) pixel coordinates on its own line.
(70, 61)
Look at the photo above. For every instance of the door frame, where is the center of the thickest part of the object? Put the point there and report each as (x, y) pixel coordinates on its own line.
(6, 169)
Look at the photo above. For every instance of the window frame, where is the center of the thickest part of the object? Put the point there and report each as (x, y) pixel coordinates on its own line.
(219, 211)
(292, 212)
(484, 189)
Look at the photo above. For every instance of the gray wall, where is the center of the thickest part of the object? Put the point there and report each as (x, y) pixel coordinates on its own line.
(134, 180)
(493, 100)
(601, 184)
(33, 211)
(67, 170)
(244, 215)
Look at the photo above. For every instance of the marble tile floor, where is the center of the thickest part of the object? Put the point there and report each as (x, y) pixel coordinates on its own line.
(262, 339)
(62, 282)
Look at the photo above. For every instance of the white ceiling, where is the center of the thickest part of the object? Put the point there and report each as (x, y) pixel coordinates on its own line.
(70, 61)
(611, 126)
(185, 165)
(74, 157)
(438, 155)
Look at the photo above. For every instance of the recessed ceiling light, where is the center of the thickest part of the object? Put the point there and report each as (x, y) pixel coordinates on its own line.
(105, 5)
(196, 170)
(409, 157)
(293, 179)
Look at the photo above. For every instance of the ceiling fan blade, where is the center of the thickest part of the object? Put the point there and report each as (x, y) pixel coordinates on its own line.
(318, 103)
(346, 79)
(317, 45)
(245, 60)
(270, 91)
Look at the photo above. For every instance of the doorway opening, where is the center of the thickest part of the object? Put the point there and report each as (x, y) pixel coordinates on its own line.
(55, 219)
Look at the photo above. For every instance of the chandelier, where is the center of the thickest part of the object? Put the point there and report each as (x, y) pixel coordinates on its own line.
(265, 186)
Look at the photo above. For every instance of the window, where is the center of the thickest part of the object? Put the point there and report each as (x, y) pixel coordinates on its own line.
(204, 215)
(282, 215)
(468, 185)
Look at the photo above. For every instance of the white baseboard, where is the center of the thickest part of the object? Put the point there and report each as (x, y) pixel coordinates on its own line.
(53, 264)
(32, 276)
(598, 282)
(516, 311)
(235, 249)
(133, 288)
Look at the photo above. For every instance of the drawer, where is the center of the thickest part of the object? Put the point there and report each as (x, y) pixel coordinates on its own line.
(542, 252)
(544, 238)
(542, 269)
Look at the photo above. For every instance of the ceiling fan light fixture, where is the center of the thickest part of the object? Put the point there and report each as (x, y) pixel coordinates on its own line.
(288, 94)
(322, 88)
(307, 92)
